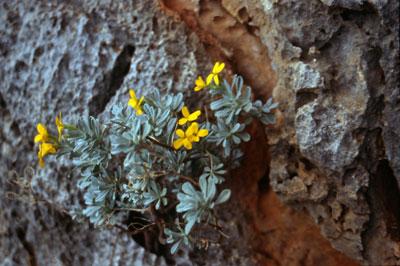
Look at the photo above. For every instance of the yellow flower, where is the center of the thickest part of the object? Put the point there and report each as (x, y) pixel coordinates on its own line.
(43, 134)
(200, 84)
(192, 134)
(182, 141)
(195, 134)
(135, 103)
(187, 116)
(218, 67)
(44, 150)
(60, 126)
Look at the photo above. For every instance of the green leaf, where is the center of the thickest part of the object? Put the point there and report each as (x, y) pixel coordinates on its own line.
(223, 196)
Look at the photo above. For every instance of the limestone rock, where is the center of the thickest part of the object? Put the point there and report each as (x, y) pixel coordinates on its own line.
(334, 154)
(75, 57)
(335, 148)
(324, 135)
(346, 129)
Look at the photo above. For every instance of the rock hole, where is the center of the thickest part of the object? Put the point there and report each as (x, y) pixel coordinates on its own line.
(112, 81)
(218, 19)
(53, 22)
(148, 239)
(387, 191)
(20, 66)
(308, 166)
(3, 49)
(3, 104)
(263, 183)
(14, 19)
(359, 14)
(65, 259)
(376, 74)
(155, 24)
(21, 234)
(63, 24)
(38, 52)
(243, 15)
(304, 97)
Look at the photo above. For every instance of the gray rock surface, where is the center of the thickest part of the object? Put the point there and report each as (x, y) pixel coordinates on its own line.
(345, 128)
(75, 57)
(333, 66)
(335, 151)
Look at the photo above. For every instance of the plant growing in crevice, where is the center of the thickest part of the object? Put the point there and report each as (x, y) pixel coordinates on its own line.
(159, 157)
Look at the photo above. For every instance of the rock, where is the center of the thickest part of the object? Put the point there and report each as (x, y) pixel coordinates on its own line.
(334, 154)
(334, 150)
(75, 58)
(355, 4)
(324, 135)
(341, 129)
(306, 78)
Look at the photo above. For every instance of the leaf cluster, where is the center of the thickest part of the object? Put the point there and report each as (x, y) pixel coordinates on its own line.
(128, 162)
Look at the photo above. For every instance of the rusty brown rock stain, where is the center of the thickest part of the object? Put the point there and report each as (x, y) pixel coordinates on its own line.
(276, 234)
(280, 235)
(226, 39)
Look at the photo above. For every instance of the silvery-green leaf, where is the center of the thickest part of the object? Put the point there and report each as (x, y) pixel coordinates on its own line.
(235, 128)
(211, 190)
(203, 184)
(188, 188)
(191, 220)
(268, 119)
(175, 247)
(223, 196)
(245, 136)
(236, 139)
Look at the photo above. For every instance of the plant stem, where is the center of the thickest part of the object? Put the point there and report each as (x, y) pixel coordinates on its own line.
(153, 140)
(187, 178)
(120, 124)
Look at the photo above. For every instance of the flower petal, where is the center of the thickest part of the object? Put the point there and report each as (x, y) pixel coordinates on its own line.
(60, 126)
(188, 144)
(202, 133)
(41, 162)
(194, 138)
(178, 143)
(216, 79)
(139, 110)
(42, 129)
(193, 116)
(200, 82)
(132, 103)
(180, 133)
(132, 94)
(141, 100)
(48, 148)
(182, 121)
(215, 67)
(192, 129)
(185, 112)
(219, 66)
(38, 138)
(58, 120)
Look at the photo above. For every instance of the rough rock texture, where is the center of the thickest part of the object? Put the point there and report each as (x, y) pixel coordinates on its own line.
(74, 57)
(334, 155)
(336, 152)
(339, 123)
(334, 68)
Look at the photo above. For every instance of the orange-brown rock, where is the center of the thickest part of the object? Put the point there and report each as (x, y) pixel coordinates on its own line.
(333, 68)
